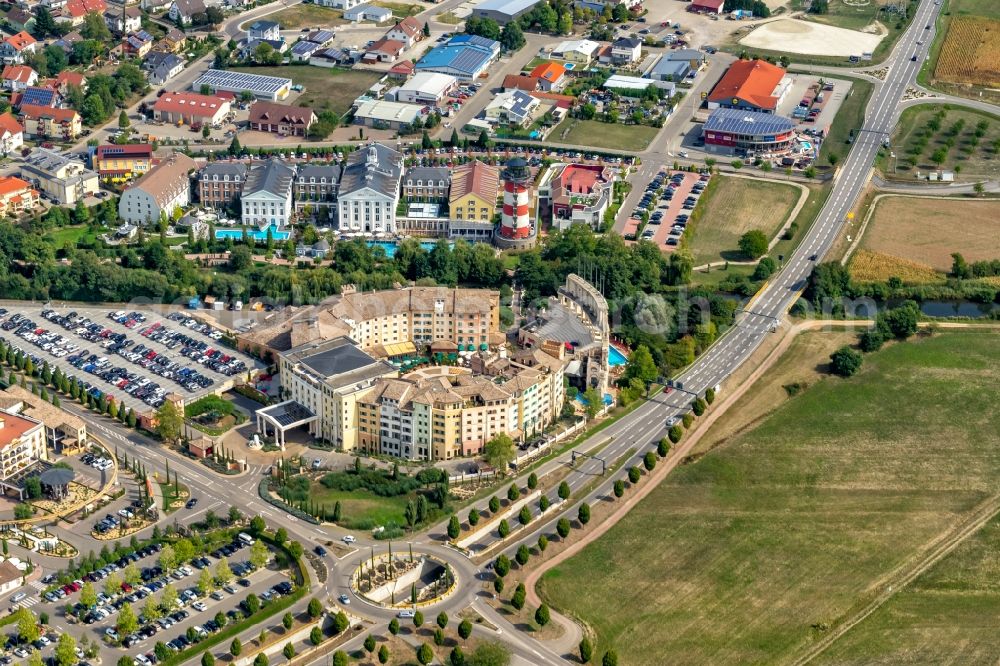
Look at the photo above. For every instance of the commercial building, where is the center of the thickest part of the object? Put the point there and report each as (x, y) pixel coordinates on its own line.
(707, 6)
(65, 179)
(11, 134)
(428, 88)
(474, 189)
(64, 432)
(162, 189)
(281, 119)
(267, 195)
(316, 188)
(369, 190)
(322, 381)
(577, 194)
(382, 114)
(466, 57)
(669, 70)
(632, 86)
(270, 88)
(117, 163)
(219, 183)
(427, 184)
(16, 196)
(22, 443)
(43, 122)
(735, 131)
(368, 12)
(186, 107)
(503, 11)
(750, 85)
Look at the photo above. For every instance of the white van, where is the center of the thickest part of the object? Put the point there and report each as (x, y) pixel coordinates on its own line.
(17, 597)
(245, 538)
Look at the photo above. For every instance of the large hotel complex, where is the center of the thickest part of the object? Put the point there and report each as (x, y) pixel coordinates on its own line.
(345, 373)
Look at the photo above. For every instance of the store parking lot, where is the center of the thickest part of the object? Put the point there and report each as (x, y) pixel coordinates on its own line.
(669, 200)
(135, 356)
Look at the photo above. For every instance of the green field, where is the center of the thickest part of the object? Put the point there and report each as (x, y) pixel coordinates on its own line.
(973, 156)
(603, 135)
(71, 236)
(360, 507)
(850, 116)
(325, 89)
(400, 10)
(744, 555)
(988, 8)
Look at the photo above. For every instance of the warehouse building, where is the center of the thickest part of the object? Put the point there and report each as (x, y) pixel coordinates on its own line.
(425, 88)
(183, 107)
(268, 88)
(750, 85)
(503, 11)
(466, 57)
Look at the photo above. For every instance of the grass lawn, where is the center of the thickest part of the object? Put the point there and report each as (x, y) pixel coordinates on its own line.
(325, 89)
(308, 16)
(716, 275)
(71, 235)
(400, 10)
(950, 614)
(731, 208)
(911, 228)
(449, 18)
(361, 507)
(915, 141)
(850, 116)
(735, 558)
(603, 135)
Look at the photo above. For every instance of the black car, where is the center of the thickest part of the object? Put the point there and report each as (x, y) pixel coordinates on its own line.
(244, 582)
(191, 503)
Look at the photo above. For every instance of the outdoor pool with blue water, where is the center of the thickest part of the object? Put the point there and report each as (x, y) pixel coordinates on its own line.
(806, 145)
(616, 357)
(256, 234)
(607, 399)
(390, 246)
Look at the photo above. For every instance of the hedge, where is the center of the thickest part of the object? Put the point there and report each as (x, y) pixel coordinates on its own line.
(262, 490)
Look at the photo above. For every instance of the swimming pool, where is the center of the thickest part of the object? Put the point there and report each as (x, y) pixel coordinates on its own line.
(616, 357)
(569, 65)
(807, 146)
(583, 401)
(256, 234)
(390, 246)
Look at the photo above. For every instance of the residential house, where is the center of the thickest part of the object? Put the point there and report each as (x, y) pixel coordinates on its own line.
(138, 44)
(172, 42)
(321, 37)
(528, 84)
(384, 50)
(164, 188)
(267, 195)
(14, 48)
(281, 119)
(183, 11)
(67, 79)
(316, 188)
(160, 67)
(16, 196)
(21, 20)
(18, 77)
(474, 188)
(75, 10)
(220, 183)
(123, 22)
(551, 76)
(36, 96)
(409, 31)
(121, 162)
(265, 30)
(65, 179)
(514, 108)
(67, 41)
(581, 51)
(331, 57)
(154, 6)
(11, 134)
(301, 51)
(626, 50)
(402, 70)
(248, 48)
(427, 184)
(340, 4)
(369, 190)
(42, 122)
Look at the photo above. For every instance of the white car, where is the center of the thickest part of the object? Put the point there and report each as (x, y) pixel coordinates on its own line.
(348, 539)
(672, 421)
(111, 633)
(404, 614)
(199, 606)
(344, 599)
(142, 660)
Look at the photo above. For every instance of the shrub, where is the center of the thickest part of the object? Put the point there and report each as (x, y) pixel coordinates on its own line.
(845, 361)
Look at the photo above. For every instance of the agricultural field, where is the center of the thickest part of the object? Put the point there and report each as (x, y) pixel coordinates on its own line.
(926, 231)
(868, 266)
(747, 553)
(971, 52)
(325, 89)
(734, 206)
(308, 16)
(929, 137)
(603, 135)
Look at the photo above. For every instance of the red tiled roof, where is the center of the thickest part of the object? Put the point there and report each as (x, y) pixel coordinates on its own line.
(191, 104)
(403, 67)
(124, 150)
(9, 123)
(269, 112)
(79, 8)
(520, 82)
(388, 46)
(714, 5)
(20, 41)
(19, 73)
(475, 177)
(562, 101)
(14, 427)
(34, 111)
(12, 185)
(751, 81)
(70, 78)
(550, 71)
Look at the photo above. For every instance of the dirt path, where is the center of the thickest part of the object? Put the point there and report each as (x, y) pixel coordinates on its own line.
(678, 454)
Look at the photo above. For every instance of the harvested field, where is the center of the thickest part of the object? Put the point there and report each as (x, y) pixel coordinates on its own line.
(795, 36)
(868, 266)
(971, 52)
(927, 231)
(308, 16)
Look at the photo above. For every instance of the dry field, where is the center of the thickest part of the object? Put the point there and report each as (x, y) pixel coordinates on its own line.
(734, 206)
(794, 36)
(868, 266)
(927, 231)
(971, 52)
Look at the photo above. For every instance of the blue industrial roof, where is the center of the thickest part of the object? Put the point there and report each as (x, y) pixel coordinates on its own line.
(509, 7)
(737, 121)
(39, 97)
(474, 40)
(463, 58)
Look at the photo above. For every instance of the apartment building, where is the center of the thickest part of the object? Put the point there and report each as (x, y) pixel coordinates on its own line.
(43, 122)
(22, 443)
(118, 163)
(16, 196)
(162, 189)
(369, 190)
(267, 195)
(473, 194)
(219, 183)
(63, 178)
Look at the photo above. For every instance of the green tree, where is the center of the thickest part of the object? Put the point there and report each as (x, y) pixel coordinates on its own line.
(641, 366)
(394, 626)
(523, 555)
(383, 654)
(524, 517)
(370, 643)
(287, 620)
(454, 527)
(513, 493)
(649, 461)
(425, 654)
(501, 566)
(168, 598)
(127, 622)
(583, 514)
(315, 636)
(340, 658)
(619, 488)
(169, 422)
(315, 608)
(499, 452)
(27, 625)
(586, 651)
(88, 596)
(564, 491)
(532, 481)
(473, 517)
(259, 554)
(288, 651)
(65, 652)
(845, 361)
(542, 615)
(207, 659)
(563, 527)
(494, 504)
(260, 659)
(418, 619)
(753, 244)
(503, 529)
(465, 629)
(610, 658)
(236, 647)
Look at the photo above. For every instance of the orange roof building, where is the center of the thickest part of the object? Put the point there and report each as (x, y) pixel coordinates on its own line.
(22, 442)
(751, 85)
(11, 134)
(17, 77)
(67, 78)
(551, 75)
(16, 196)
(520, 82)
(474, 188)
(14, 46)
(43, 122)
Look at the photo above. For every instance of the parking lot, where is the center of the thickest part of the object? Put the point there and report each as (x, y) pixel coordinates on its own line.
(669, 200)
(129, 355)
(191, 618)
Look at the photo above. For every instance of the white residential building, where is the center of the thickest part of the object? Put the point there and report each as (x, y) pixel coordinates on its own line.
(369, 190)
(162, 189)
(267, 195)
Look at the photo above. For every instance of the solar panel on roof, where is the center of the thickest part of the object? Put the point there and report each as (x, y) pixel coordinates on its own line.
(39, 97)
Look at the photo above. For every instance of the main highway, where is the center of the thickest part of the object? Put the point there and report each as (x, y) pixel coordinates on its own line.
(637, 431)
